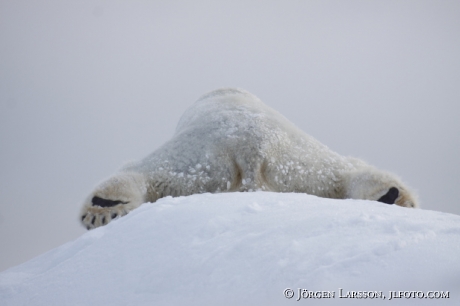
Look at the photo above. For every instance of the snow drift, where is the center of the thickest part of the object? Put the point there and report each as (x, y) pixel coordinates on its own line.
(246, 249)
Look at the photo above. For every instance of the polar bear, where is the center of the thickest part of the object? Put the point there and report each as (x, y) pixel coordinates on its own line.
(229, 140)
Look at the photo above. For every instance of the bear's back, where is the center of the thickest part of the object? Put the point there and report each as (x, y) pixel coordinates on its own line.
(226, 107)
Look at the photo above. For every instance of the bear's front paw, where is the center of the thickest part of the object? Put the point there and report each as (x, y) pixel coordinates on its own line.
(114, 198)
(102, 211)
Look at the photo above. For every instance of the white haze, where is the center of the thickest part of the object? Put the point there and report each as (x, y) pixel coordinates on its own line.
(87, 85)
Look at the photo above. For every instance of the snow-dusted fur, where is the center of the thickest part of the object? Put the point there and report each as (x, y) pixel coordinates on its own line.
(230, 141)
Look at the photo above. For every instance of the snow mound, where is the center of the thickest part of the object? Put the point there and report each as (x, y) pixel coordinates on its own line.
(246, 249)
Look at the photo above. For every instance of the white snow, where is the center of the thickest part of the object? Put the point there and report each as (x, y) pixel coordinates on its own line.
(246, 249)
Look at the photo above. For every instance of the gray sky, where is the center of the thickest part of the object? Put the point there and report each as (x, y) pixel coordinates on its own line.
(86, 86)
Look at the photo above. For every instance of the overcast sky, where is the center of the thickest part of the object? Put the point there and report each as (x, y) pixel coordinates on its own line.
(86, 86)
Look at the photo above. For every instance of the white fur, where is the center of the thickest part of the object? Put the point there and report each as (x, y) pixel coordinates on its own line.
(230, 141)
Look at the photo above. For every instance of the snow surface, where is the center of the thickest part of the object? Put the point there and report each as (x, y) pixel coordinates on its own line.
(246, 249)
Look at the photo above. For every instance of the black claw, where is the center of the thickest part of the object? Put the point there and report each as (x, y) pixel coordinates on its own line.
(94, 219)
(103, 220)
(83, 217)
(114, 215)
(88, 228)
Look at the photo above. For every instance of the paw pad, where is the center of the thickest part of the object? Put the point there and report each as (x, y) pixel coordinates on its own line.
(390, 197)
(97, 201)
